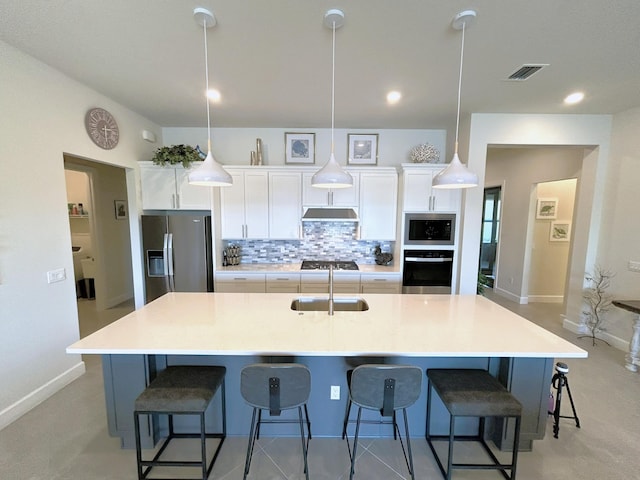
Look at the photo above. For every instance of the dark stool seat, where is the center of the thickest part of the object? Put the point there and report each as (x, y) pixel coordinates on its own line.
(181, 390)
(472, 393)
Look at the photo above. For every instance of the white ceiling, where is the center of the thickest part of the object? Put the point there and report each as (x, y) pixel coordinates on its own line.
(271, 60)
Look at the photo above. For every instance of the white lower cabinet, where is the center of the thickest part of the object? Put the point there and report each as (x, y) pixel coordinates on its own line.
(319, 283)
(283, 283)
(235, 282)
(380, 283)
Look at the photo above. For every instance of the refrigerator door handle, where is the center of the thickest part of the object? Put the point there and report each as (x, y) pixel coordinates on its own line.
(165, 254)
(170, 256)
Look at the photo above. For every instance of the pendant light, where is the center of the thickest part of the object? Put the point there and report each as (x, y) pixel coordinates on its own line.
(332, 175)
(456, 175)
(210, 173)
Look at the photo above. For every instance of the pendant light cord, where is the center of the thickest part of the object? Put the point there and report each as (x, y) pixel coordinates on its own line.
(459, 88)
(206, 79)
(333, 81)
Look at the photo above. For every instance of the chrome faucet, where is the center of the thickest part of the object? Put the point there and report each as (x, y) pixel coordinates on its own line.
(331, 289)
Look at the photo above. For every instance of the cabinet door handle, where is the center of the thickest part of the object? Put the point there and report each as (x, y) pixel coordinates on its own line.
(177, 200)
(330, 198)
(433, 202)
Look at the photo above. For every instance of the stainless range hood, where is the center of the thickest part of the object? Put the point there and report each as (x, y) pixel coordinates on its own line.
(330, 215)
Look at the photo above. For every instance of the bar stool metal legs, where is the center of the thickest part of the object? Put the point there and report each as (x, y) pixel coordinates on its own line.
(387, 389)
(275, 387)
(181, 390)
(472, 393)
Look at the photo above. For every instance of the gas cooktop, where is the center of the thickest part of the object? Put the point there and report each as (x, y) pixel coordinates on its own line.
(324, 265)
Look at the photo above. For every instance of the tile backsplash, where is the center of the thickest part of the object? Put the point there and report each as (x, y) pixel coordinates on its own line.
(322, 241)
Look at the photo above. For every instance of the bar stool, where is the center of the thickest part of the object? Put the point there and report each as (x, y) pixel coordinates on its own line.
(181, 390)
(386, 388)
(274, 387)
(472, 393)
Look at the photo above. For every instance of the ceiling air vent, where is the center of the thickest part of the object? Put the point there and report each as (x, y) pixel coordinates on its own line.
(525, 71)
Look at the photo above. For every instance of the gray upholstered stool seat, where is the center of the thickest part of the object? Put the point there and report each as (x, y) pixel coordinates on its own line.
(472, 393)
(181, 390)
(385, 388)
(274, 387)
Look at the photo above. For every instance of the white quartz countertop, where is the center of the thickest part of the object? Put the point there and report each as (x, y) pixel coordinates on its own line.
(264, 324)
(295, 268)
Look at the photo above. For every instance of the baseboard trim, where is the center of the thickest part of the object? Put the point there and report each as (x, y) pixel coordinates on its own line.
(510, 296)
(546, 298)
(39, 395)
(115, 301)
(614, 341)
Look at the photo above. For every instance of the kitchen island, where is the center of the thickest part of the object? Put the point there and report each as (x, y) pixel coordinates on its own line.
(234, 329)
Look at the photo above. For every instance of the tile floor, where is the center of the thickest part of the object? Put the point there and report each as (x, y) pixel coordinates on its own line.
(66, 436)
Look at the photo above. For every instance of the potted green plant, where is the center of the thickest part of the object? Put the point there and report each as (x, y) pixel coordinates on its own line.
(176, 154)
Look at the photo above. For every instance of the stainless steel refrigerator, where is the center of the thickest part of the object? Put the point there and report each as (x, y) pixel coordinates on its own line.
(178, 254)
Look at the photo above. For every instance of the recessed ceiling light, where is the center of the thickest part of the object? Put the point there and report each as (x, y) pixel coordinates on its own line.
(576, 97)
(393, 97)
(213, 95)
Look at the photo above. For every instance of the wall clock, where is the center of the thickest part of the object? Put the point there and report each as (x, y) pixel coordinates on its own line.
(102, 128)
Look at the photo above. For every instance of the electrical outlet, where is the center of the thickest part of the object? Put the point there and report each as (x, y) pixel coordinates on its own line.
(335, 392)
(633, 266)
(57, 275)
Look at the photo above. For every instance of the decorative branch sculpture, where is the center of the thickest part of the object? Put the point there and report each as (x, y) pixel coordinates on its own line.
(598, 301)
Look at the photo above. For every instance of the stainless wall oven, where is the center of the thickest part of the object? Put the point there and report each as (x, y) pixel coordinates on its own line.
(427, 271)
(429, 228)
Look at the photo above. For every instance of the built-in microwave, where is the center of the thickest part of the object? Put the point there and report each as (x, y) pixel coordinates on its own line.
(429, 228)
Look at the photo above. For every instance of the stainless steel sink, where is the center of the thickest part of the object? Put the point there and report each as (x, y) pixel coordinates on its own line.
(321, 304)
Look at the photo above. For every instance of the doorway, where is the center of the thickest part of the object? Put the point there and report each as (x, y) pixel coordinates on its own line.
(489, 236)
(550, 240)
(105, 290)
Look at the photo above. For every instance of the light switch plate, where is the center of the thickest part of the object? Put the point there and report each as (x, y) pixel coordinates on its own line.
(57, 275)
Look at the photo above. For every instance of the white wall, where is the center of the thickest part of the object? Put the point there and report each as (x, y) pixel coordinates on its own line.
(550, 259)
(621, 222)
(518, 170)
(232, 146)
(593, 131)
(42, 118)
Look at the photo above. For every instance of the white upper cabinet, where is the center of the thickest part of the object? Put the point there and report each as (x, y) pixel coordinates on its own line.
(167, 188)
(419, 196)
(378, 206)
(322, 197)
(244, 211)
(285, 205)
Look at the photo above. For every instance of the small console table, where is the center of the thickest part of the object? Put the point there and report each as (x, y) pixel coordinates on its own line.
(633, 357)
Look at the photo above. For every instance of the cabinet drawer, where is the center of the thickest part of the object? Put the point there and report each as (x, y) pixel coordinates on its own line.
(283, 283)
(240, 282)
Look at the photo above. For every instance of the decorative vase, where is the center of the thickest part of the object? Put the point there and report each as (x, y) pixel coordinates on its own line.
(258, 151)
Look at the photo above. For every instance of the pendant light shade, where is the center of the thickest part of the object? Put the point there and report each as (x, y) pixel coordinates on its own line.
(210, 173)
(456, 175)
(332, 175)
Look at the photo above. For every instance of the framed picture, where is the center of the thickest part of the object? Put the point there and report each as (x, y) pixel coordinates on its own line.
(560, 231)
(547, 209)
(363, 149)
(121, 209)
(299, 148)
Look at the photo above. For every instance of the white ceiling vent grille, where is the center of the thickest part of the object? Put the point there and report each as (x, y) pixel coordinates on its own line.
(525, 71)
